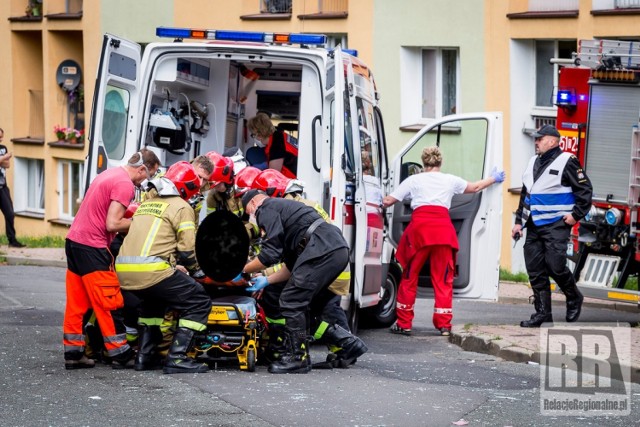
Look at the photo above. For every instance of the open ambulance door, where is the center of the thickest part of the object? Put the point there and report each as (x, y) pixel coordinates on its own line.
(114, 117)
(471, 146)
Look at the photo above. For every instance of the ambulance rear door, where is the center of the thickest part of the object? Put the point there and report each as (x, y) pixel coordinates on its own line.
(471, 146)
(114, 118)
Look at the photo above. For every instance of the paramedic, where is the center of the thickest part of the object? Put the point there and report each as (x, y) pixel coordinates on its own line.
(430, 235)
(314, 253)
(280, 148)
(91, 281)
(556, 193)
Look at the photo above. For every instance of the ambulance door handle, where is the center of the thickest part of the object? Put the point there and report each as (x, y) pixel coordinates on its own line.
(314, 142)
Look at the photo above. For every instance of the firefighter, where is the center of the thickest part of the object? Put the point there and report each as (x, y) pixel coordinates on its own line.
(91, 281)
(221, 195)
(313, 252)
(280, 148)
(556, 194)
(330, 324)
(430, 236)
(159, 246)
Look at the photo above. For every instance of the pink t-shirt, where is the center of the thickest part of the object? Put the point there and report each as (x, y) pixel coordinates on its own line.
(89, 226)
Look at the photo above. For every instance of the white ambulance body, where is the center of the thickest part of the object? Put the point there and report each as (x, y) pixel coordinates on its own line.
(190, 97)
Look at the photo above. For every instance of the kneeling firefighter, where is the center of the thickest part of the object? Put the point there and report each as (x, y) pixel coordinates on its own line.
(328, 320)
(162, 235)
(313, 252)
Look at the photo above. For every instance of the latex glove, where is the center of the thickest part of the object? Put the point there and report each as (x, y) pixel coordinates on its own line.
(257, 284)
(499, 176)
(237, 278)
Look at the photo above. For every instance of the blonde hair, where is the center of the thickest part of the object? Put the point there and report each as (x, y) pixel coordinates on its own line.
(261, 125)
(431, 157)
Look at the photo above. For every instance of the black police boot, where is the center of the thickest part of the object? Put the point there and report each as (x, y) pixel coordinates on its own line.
(351, 347)
(177, 360)
(574, 301)
(543, 310)
(296, 359)
(278, 343)
(148, 358)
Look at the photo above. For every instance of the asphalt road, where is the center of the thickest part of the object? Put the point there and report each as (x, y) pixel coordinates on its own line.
(421, 380)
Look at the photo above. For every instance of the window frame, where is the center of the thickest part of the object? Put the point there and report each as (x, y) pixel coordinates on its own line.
(67, 212)
(23, 173)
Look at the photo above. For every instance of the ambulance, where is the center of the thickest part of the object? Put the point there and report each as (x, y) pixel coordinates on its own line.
(195, 93)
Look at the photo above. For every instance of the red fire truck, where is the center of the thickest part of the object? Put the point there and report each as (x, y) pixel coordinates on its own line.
(598, 101)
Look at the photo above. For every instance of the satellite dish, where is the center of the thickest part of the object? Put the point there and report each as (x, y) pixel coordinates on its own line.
(68, 75)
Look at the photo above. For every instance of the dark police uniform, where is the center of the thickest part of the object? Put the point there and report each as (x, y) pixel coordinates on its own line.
(546, 244)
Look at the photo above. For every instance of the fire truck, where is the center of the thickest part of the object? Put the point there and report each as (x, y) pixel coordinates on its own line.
(194, 94)
(598, 100)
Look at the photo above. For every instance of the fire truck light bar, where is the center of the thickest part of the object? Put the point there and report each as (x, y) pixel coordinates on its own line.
(243, 36)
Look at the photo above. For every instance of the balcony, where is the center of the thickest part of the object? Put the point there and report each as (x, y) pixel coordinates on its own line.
(325, 9)
(305, 9)
(615, 7)
(543, 9)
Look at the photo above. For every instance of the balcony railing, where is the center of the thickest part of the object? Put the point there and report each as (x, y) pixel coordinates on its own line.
(275, 6)
(552, 5)
(615, 4)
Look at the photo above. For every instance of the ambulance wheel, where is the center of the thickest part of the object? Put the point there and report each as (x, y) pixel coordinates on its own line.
(384, 313)
(251, 360)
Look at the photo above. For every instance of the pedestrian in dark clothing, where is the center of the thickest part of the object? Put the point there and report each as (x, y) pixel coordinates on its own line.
(314, 254)
(556, 194)
(6, 204)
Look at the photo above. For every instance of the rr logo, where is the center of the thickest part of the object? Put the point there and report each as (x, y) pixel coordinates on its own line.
(583, 365)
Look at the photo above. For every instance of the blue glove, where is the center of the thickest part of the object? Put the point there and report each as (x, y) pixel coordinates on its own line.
(257, 283)
(499, 176)
(237, 278)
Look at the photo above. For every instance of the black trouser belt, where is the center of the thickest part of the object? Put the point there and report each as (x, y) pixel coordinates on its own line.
(308, 233)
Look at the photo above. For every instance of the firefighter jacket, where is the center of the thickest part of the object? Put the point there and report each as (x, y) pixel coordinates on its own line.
(162, 234)
(285, 223)
(229, 202)
(554, 185)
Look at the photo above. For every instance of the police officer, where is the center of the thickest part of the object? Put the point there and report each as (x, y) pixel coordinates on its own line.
(556, 194)
(314, 254)
(161, 235)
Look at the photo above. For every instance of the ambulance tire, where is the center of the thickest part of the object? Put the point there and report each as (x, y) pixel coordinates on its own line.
(384, 313)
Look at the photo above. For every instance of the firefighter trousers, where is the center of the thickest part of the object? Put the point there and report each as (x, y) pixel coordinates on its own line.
(306, 282)
(91, 282)
(441, 263)
(545, 250)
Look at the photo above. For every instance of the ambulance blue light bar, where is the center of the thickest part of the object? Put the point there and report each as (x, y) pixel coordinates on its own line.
(243, 36)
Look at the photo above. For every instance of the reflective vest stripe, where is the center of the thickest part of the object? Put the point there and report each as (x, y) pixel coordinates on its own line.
(150, 321)
(115, 338)
(443, 310)
(151, 236)
(280, 321)
(74, 337)
(190, 324)
(322, 327)
(140, 264)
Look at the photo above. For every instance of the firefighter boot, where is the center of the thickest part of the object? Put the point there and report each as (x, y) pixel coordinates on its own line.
(543, 310)
(296, 359)
(148, 358)
(351, 347)
(574, 302)
(278, 343)
(177, 360)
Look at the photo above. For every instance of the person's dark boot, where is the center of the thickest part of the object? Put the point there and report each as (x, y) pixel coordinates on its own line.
(177, 360)
(351, 347)
(124, 360)
(148, 358)
(574, 302)
(296, 359)
(543, 310)
(278, 343)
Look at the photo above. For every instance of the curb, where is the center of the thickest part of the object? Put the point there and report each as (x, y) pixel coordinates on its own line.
(18, 260)
(618, 306)
(485, 344)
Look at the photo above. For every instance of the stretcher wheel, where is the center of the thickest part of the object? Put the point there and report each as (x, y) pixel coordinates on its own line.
(251, 360)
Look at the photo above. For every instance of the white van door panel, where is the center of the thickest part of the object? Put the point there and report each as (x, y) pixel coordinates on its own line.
(471, 146)
(114, 118)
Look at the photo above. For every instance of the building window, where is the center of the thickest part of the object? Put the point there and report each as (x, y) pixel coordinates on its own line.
(70, 181)
(547, 73)
(29, 172)
(429, 84)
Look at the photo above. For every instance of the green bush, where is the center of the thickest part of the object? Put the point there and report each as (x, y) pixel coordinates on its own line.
(37, 242)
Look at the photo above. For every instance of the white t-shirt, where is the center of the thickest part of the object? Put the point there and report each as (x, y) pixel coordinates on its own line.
(430, 188)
